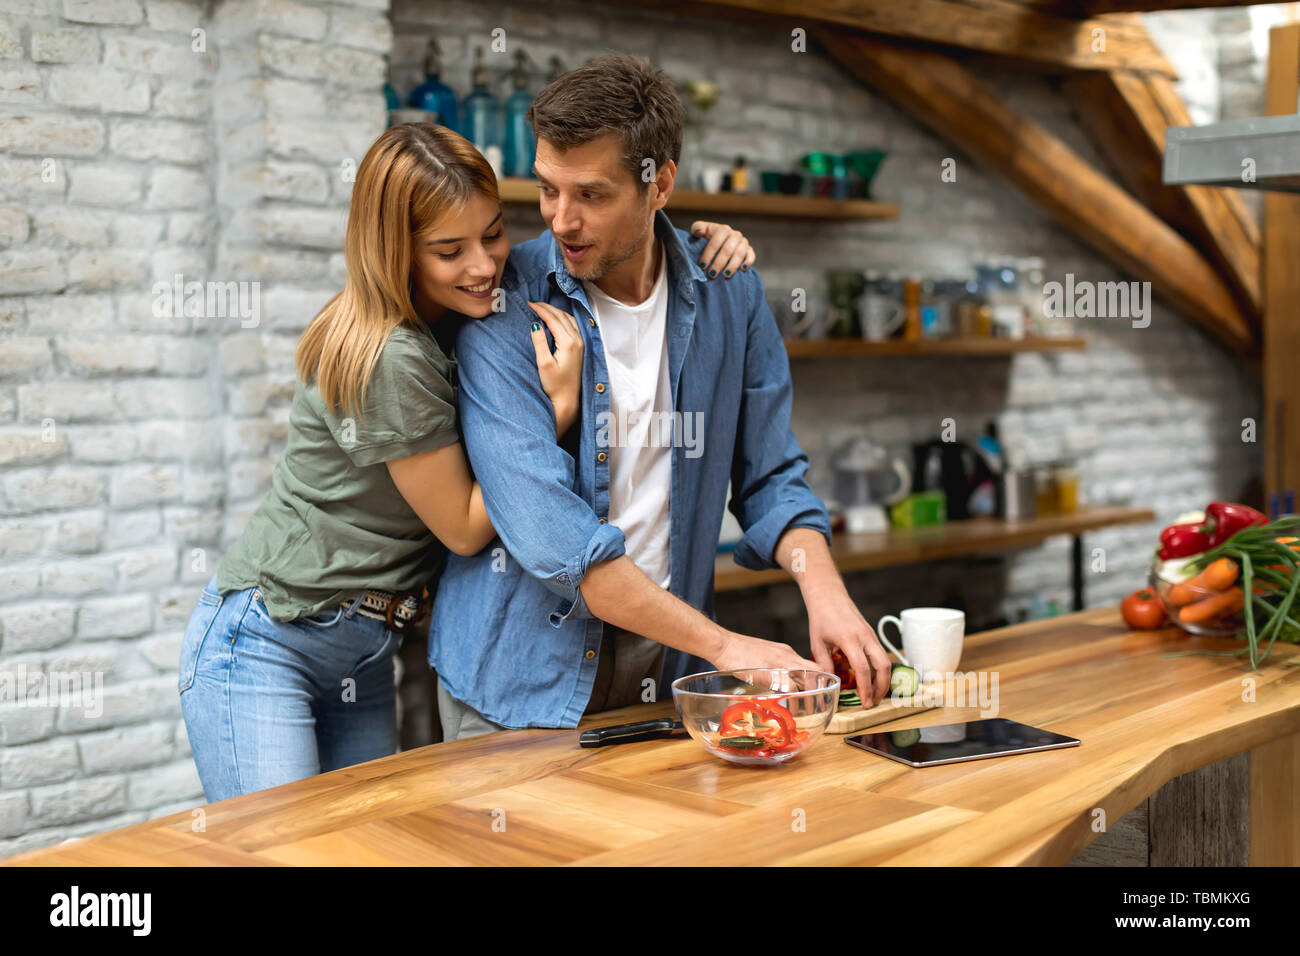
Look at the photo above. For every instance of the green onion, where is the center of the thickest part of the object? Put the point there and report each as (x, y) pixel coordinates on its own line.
(1267, 614)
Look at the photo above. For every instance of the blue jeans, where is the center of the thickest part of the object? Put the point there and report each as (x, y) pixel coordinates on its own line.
(267, 702)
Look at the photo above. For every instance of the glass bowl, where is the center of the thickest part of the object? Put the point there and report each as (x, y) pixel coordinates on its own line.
(1176, 603)
(760, 716)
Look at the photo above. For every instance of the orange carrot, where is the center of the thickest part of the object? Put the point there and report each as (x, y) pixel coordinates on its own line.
(1226, 602)
(1219, 575)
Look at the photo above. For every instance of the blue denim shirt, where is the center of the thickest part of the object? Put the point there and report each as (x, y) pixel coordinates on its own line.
(510, 633)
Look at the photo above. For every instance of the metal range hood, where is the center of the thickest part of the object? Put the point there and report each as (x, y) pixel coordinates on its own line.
(1228, 153)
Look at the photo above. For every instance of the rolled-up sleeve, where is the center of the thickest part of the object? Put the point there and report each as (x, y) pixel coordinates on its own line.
(769, 493)
(527, 479)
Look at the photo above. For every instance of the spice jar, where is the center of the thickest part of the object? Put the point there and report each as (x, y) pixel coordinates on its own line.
(1066, 478)
(912, 308)
(1045, 494)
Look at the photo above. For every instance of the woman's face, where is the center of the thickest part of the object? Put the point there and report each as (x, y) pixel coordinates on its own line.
(456, 265)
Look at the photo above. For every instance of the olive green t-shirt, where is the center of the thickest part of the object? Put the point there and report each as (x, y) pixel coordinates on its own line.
(333, 523)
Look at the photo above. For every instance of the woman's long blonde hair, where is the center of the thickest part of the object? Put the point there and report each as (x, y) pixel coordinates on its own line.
(413, 175)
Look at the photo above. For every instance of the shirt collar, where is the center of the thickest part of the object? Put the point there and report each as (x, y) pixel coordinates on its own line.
(681, 265)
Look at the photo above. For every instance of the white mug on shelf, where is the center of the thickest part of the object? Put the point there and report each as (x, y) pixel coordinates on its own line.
(931, 639)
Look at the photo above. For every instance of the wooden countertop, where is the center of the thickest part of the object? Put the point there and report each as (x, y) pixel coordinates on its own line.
(1143, 719)
(862, 552)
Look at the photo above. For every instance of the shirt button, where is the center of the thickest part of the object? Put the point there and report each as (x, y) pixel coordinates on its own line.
(602, 520)
(591, 322)
(600, 456)
(600, 387)
(590, 654)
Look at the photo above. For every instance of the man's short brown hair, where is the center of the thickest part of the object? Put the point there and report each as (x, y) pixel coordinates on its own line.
(614, 93)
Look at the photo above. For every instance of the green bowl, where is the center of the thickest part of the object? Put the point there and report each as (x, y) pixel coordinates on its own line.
(866, 163)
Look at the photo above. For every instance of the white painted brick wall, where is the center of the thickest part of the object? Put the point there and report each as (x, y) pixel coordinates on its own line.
(133, 443)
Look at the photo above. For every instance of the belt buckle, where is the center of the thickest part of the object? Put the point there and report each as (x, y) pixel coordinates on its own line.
(396, 602)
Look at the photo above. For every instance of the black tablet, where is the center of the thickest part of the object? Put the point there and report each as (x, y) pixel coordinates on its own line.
(950, 743)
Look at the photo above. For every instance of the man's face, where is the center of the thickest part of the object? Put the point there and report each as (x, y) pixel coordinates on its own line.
(592, 204)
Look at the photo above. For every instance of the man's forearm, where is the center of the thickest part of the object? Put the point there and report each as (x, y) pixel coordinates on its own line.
(619, 592)
(803, 552)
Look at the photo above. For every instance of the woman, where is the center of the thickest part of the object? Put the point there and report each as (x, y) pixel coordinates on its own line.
(286, 669)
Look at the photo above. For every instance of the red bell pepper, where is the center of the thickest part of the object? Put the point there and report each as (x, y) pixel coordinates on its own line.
(760, 718)
(1224, 519)
(1183, 541)
(848, 680)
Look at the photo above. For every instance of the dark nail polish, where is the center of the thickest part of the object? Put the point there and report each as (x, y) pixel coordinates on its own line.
(701, 262)
(712, 273)
(727, 273)
(745, 267)
(536, 326)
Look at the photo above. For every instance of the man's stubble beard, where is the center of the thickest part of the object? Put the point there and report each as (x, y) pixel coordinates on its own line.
(606, 262)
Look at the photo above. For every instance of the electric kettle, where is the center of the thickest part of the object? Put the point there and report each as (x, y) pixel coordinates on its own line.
(868, 479)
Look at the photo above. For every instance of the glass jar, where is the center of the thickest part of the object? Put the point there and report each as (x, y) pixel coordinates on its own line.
(1031, 294)
(966, 308)
(845, 290)
(1066, 478)
(1046, 497)
(1004, 299)
(948, 292)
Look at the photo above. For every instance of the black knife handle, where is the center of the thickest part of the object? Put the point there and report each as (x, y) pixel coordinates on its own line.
(628, 733)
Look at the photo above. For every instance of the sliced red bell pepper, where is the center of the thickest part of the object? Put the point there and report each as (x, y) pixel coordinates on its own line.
(743, 719)
(785, 720)
(758, 718)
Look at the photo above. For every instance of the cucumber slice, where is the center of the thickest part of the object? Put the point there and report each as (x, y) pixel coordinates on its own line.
(904, 681)
(742, 743)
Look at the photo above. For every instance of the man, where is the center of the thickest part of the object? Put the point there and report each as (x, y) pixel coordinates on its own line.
(599, 592)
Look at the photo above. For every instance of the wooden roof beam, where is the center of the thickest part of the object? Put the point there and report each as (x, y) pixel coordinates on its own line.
(1127, 115)
(1145, 6)
(1049, 33)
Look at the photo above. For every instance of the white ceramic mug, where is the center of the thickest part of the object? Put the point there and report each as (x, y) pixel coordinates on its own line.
(931, 639)
(881, 316)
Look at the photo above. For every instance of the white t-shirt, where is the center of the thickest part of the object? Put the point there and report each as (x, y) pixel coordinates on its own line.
(640, 426)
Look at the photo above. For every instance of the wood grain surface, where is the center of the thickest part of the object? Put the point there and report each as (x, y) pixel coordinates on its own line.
(534, 797)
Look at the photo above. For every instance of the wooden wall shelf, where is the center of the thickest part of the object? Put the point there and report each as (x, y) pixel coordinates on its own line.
(844, 348)
(862, 552)
(515, 190)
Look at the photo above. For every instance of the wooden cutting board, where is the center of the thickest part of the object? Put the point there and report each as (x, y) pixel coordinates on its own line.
(850, 719)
